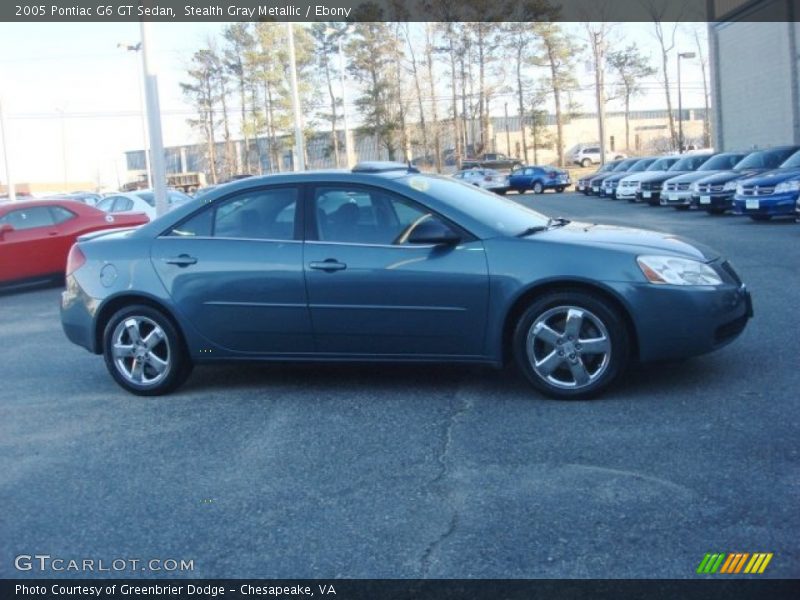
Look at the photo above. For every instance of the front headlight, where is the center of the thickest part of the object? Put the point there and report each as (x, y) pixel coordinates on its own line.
(677, 271)
(729, 187)
(787, 186)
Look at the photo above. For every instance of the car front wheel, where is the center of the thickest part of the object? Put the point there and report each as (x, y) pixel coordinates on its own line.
(586, 162)
(144, 352)
(571, 345)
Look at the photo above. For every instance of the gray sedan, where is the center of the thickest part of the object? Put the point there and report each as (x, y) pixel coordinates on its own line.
(386, 264)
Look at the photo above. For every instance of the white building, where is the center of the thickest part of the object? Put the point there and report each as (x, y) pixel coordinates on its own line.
(754, 66)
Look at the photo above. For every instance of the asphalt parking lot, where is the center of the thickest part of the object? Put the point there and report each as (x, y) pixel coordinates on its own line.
(399, 471)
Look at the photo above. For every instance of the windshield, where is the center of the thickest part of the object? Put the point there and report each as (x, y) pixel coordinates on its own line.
(662, 164)
(642, 165)
(609, 166)
(626, 165)
(765, 159)
(689, 163)
(792, 162)
(721, 162)
(504, 215)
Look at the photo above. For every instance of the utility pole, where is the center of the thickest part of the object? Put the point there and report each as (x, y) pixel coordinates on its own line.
(680, 103)
(12, 191)
(348, 138)
(150, 71)
(137, 48)
(60, 111)
(299, 163)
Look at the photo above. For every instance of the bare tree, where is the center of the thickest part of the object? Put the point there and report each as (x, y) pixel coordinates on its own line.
(630, 67)
(665, 33)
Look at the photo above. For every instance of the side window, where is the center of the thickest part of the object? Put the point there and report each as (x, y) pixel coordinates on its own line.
(61, 214)
(363, 215)
(529, 171)
(121, 204)
(106, 203)
(29, 218)
(259, 214)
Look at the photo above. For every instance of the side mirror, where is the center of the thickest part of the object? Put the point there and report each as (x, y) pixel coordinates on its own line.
(433, 231)
(4, 229)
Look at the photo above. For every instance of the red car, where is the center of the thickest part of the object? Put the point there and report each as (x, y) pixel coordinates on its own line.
(36, 235)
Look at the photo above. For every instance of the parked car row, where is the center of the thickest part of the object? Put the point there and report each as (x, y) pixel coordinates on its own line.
(761, 184)
(534, 178)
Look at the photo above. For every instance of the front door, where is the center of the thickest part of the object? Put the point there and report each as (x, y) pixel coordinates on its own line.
(234, 270)
(371, 293)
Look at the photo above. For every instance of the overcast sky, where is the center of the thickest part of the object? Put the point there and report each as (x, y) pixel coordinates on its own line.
(71, 79)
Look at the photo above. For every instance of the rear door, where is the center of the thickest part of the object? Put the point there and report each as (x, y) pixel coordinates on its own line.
(235, 270)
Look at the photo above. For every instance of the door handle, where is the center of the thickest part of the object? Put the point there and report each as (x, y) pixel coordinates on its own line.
(329, 265)
(184, 260)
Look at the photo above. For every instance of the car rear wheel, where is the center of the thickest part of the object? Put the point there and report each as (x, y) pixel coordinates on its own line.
(571, 345)
(560, 189)
(144, 352)
(586, 162)
(538, 188)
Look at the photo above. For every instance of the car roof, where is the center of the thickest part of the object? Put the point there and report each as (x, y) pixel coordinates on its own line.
(6, 204)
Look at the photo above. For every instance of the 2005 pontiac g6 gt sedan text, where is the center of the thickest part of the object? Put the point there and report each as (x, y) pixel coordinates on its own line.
(384, 263)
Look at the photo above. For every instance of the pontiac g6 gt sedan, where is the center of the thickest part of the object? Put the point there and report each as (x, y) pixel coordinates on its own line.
(385, 264)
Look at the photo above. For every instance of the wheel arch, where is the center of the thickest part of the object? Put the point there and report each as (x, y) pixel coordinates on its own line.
(116, 303)
(523, 300)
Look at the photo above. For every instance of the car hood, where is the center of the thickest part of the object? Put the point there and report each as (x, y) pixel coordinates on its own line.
(611, 177)
(691, 176)
(658, 175)
(726, 176)
(772, 177)
(627, 239)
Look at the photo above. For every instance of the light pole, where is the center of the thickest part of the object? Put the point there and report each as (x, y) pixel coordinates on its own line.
(348, 142)
(150, 73)
(680, 103)
(60, 111)
(12, 191)
(299, 164)
(137, 48)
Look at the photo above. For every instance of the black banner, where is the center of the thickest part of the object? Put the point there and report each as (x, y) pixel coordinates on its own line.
(398, 10)
(394, 589)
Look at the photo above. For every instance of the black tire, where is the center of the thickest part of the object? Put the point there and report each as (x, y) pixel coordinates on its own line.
(170, 350)
(519, 190)
(586, 162)
(760, 217)
(606, 369)
(538, 188)
(560, 189)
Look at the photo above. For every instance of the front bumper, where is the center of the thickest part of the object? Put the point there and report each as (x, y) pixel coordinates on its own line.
(703, 318)
(652, 197)
(676, 198)
(774, 205)
(717, 201)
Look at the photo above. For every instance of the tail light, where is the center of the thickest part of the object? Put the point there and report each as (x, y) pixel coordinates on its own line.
(75, 259)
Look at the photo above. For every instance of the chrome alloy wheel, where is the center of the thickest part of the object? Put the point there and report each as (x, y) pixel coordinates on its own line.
(569, 347)
(141, 351)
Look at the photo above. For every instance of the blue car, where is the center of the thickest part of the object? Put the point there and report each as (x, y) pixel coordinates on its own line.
(385, 264)
(538, 179)
(770, 194)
